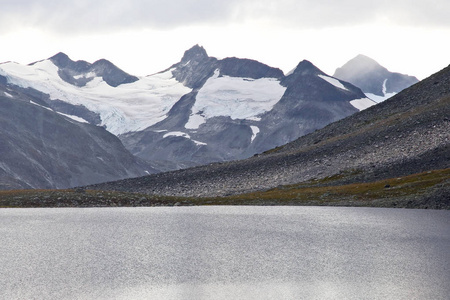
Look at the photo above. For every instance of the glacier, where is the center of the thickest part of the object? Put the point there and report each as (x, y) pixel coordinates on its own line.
(125, 108)
(234, 97)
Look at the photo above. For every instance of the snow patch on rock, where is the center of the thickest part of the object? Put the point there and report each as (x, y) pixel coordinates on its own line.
(378, 98)
(184, 135)
(8, 95)
(75, 118)
(385, 96)
(363, 103)
(333, 81)
(255, 131)
(195, 121)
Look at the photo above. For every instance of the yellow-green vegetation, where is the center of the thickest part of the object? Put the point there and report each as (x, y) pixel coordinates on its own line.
(404, 191)
(388, 192)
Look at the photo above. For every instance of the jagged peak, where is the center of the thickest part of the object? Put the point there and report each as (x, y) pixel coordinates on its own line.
(195, 53)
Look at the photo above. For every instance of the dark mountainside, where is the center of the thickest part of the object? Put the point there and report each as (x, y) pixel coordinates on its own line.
(42, 149)
(308, 103)
(407, 134)
(373, 78)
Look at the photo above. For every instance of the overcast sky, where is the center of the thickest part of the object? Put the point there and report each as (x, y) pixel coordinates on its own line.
(146, 36)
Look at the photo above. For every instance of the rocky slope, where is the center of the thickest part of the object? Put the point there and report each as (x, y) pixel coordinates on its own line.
(375, 80)
(407, 134)
(40, 148)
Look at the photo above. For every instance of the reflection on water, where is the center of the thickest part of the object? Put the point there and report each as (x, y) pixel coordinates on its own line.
(224, 253)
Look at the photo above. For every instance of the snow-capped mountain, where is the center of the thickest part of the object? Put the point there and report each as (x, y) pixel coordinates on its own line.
(120, 102)
(240, 107)
(40, 148)
(199, 110)
(374, 80)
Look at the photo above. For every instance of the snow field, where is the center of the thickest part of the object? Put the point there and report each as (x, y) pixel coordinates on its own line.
(237, 98)
(128, 107)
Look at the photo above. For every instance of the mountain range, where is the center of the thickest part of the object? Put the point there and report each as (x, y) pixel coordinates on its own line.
(396, 153)
(199, 110)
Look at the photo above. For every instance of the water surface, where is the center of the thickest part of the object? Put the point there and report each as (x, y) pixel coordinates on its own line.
(224, 253)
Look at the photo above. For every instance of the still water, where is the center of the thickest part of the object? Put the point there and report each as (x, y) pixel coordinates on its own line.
(224, 253)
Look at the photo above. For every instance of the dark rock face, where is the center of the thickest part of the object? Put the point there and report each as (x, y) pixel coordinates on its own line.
(42, 149)
(370, 76)
(247, 68)
(408, 133)
(79, 73)
(194, 68)
(309, 103)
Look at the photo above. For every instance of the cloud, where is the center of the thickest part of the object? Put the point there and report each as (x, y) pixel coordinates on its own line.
(86, 16)
(330, 13)
(106, 15)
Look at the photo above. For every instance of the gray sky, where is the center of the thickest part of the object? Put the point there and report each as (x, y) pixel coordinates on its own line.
(144, 37)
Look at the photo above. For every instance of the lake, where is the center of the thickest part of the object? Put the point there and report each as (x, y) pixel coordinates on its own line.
(224, 253)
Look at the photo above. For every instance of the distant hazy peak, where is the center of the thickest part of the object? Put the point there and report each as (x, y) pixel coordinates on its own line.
(358, 65)
(361, 58)
(373, 78)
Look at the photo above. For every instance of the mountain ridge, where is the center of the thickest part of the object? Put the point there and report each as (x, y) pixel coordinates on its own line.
(407, 134)
(76, 72)
(198, 111)
(240, 130)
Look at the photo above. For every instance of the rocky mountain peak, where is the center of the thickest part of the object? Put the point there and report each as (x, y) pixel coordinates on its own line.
(305, 67)
(195, 67)
(110, 73)
(196, 53)
(61, 59)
